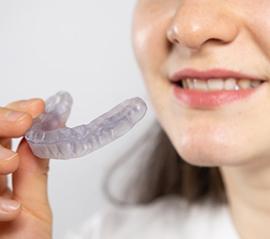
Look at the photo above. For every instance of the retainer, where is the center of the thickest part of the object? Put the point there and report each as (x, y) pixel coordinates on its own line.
(50, 138)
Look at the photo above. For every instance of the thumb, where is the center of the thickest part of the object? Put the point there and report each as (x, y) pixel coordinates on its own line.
(29, 181)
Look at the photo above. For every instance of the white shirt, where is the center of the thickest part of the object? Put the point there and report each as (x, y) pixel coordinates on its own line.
(166, 218)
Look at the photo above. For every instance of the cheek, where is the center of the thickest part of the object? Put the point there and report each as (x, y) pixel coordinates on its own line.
(151, 49)
(261, 34)
(218, 140)
(149, 41)
(256, 19)
(211, 139)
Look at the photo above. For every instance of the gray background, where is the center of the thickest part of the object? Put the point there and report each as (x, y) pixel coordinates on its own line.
(84, 47)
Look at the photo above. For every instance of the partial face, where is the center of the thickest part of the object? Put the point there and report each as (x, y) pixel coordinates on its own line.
(220, 122)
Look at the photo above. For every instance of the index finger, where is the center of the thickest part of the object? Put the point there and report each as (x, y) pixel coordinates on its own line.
(17, 117)
(33, 106)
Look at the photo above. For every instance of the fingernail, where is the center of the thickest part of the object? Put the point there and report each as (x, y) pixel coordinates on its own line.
(14, 115)
(9, 205)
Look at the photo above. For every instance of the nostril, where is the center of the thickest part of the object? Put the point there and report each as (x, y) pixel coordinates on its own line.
(216, 41)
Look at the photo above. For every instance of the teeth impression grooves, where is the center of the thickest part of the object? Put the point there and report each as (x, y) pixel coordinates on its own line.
(50, 138)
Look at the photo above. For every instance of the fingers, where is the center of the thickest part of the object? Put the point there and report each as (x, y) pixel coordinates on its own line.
(16, 117)
(6, 142)
(30, 179)
(9, 161)
(13, 123)
(33, 106)
(3, 184)
(9, 209)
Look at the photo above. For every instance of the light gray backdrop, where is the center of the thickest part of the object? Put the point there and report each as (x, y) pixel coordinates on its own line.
(84, 47)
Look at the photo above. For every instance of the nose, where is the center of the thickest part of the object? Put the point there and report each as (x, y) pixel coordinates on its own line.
(196, 22)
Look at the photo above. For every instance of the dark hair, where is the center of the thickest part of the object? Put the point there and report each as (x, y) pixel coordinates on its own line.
(163, 172)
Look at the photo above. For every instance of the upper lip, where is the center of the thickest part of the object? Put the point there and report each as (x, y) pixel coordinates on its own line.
(209, 74)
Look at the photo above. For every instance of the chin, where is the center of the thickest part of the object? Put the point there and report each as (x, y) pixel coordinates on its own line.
(207, 157)
(211, 151)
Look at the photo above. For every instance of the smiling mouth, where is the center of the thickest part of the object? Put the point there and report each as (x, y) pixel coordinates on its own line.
(218, 84)
(212, 88)
(210, 93)
(216, 79)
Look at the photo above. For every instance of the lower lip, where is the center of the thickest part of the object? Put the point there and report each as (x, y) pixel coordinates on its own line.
(211, 99)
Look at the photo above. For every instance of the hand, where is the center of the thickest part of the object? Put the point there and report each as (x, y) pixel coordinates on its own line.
(24, 210)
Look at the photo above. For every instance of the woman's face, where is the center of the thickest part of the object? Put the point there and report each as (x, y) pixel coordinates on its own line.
(173, 35)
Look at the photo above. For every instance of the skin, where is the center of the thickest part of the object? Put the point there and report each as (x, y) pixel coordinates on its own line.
(24, 209)
(167, 36)
(204, 34)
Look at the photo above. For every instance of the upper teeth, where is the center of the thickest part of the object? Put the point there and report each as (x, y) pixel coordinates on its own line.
(220, 84)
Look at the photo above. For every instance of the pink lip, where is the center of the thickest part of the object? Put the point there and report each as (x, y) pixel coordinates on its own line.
(212, 73)
(210, 99)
